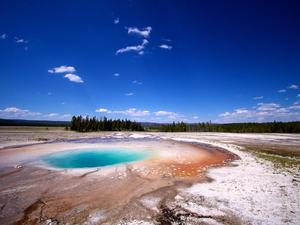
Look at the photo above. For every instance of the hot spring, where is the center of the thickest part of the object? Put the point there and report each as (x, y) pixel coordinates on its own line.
(96, 157)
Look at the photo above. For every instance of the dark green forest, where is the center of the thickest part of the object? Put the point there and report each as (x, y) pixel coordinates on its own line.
(81, 124)
(270, 127)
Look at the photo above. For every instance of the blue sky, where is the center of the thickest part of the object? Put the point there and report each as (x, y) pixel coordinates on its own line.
(161, 61)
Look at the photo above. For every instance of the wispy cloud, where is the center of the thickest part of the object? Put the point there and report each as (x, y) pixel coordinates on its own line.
(3, 36)
(298, 96)
(128, 112)
(51, 115)
(293, 86)
(167, 47)
(18, 113)
(144, 32)
(73, 78)
(62, 69)
(166, 39)
(57, 116)
(281, 91)
(262, 112)
(20, 40)
(137, 82)
(116, 20)
(267, 106)
(103, 110)
(146, 115)
(133, 112)
(164, 113)
(135, 48)
(15, 113)
(170, 115)
(258, 97)
(116, 74)
(129, 94)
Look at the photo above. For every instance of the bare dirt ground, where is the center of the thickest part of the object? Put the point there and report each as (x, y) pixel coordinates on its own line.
(259, 187)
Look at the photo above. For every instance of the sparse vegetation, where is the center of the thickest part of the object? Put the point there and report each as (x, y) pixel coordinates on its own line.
(282, 158)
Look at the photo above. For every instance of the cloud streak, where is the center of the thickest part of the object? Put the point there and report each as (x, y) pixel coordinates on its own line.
(281, 91)
(258, 97)
(136, 48)
(167, 47)
(147, 115)
(144, 32)
(18, 113)
(20, 40)
(263, 112)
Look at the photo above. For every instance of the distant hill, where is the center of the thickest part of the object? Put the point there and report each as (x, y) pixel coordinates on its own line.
(40, 123)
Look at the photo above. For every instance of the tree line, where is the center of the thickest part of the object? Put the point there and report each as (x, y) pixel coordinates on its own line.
(87, 124)
(269, 127)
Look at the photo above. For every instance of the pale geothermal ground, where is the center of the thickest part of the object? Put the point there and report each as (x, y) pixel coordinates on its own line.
(193, 178)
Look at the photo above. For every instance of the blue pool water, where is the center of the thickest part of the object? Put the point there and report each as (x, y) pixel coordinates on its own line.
(87, 158)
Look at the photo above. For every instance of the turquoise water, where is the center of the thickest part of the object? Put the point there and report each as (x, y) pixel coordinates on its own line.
(87, 158)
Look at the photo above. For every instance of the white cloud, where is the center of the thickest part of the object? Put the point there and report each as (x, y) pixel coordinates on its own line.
(129, 94)
(170, 115)
(136, 48)
(116, 74)
(116, 20)
(267, 106)
(195, 117)
(73, 78)
(241, 111)
(51, 115)
(67, 116)
(62, 69)
(14, 112)
(144, 32)
(137, 82)
(281, 90)
(3, 36)
(146, 115)
(17, 113)
(103, 110)
(263, 112)
(164, 46)
(164, 113)
(128, 112)
(57, 116)
(293, 86)
(133, 112)
(298, 96)
(258, 97)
